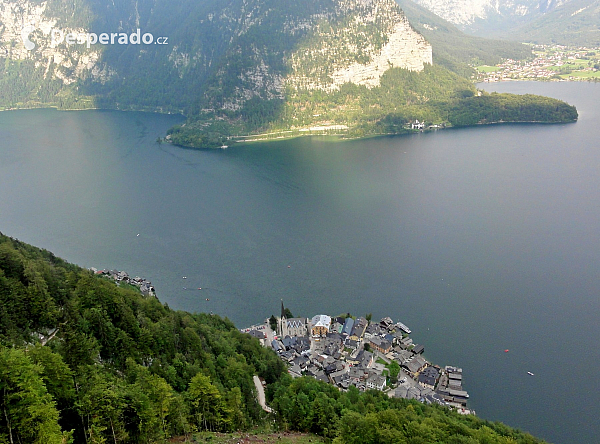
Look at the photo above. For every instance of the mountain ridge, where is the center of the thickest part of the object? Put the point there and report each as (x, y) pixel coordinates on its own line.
(564, 22)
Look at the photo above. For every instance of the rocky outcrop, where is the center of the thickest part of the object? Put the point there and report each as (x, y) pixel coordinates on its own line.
(23, 21)
(405, 49)
(372, 37)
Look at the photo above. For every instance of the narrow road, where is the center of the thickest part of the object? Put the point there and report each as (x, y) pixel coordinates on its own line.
(260, 394)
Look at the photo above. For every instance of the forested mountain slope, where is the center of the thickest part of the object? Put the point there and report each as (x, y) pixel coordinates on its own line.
(84, 359)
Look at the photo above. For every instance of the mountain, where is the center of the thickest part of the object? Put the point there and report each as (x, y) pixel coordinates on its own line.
(576, 23)
(453, 48)
(490, 17)
(565, 22)
(85, 360)
(245, 69)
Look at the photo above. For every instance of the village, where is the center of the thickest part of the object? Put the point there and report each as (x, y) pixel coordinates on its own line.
(347, 351)
(551, 62)
(121, 277)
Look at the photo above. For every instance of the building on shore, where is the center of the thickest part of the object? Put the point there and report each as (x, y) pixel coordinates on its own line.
(319, 325)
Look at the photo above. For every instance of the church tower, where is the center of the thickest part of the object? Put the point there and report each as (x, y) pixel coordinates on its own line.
(281, 320)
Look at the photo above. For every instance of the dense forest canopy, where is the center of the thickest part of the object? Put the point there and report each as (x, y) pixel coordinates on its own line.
(86, 361)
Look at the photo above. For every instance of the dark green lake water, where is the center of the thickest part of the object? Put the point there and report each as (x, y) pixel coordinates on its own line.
(479, 239)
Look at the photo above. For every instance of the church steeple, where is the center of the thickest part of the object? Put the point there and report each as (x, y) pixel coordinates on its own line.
(282, 310)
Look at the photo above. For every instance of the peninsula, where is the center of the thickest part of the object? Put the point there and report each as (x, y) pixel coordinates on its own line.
(347, 351)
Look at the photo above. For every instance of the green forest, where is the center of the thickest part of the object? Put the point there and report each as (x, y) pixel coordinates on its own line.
(83, 360)
(436, 96)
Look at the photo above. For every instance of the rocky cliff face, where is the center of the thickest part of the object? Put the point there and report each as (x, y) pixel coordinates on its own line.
(372, 37)
(24, 21)
(226, 55)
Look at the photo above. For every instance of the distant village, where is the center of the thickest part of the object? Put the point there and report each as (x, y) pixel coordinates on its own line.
(347, 351)
(122, 277)
(552, 62)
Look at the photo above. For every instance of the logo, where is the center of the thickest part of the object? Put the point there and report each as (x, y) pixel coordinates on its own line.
(58, 37)
(25, 32)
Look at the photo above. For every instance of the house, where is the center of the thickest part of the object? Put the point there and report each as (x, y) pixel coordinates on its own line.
(302, 344)
(376, 382)
(351, 344)
(288, 342)
(258, 335)
(381, 345)
(407, 342)
(356, 375)
(364, 359)
(320, 325)
(386, 323)
(372, 330)
(334, 367)
(428, 377)
(295, 371)
(348, 326)
(301, 361)
(407, 392)
(403, 356)
(417, 125)
(359, 328)
(414, 365)
(418, 349)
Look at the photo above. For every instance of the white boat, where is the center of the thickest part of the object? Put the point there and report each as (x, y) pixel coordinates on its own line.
(530, 374)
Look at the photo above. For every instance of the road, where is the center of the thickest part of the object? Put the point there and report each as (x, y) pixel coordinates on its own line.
(260, 394)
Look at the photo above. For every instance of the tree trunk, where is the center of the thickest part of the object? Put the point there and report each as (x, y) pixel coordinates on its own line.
(8, 423)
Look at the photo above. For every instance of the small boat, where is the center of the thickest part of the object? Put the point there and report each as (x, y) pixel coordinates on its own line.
(207, 299)
(199, 288)
(506, 351)
(530, 374)
(224, 147)
(184, 277)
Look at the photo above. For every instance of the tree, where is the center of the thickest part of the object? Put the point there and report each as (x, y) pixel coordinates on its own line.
(206, 402)
(273, 323)
(394, 369)
(28, 411)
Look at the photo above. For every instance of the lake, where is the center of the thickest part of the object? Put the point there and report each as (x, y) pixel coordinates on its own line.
(480, 239)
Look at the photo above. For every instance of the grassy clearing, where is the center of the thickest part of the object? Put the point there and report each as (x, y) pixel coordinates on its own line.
(487, 68)
(582, 75)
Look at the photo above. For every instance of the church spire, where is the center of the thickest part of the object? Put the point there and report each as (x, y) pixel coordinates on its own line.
(282, 310)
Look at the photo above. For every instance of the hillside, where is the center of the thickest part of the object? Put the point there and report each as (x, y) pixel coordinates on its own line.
(456, 50)
(83, 358)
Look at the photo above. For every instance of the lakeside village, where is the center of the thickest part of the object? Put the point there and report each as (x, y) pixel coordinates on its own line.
(121, 277)
(551, 62)
(345, 352)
